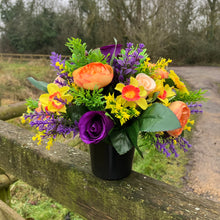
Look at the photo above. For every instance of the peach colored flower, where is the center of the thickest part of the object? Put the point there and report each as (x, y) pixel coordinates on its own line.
(182, 112)
(162, 73)
(147, 82)
(93, 76)
(39, 108)
(59, 79)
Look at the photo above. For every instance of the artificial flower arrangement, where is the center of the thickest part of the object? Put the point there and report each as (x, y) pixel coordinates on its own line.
(112, 94)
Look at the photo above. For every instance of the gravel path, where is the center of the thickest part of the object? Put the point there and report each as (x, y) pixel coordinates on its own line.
(204, 166)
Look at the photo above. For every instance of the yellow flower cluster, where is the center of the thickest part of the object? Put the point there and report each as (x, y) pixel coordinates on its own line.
(122, 113)
(163, 63)
(39, 136)
(145, 65)
(180, 85)
(23, 120)
(187, 127)
(61, 67)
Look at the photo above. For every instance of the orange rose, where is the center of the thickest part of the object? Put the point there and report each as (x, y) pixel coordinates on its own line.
(162, 73)
(182, 112)
(147, 82)
(93, 76)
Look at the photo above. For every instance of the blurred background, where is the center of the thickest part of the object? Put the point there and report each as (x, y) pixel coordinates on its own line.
(187, 31)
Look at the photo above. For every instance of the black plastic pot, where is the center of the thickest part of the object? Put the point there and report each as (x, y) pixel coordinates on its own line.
(107, 164)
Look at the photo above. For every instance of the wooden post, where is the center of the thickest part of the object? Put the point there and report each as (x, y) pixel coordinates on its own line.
(5, 195)
(7, 213)
(5, 182)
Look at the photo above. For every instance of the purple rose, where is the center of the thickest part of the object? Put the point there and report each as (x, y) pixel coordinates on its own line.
(94, 126)
(110, 50)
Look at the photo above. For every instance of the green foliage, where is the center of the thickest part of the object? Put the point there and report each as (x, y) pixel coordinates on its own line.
(80, 57)
(31, 204)
(92, 99)
(96, 56)
(78, 51)
(193, 96)
(31, 103)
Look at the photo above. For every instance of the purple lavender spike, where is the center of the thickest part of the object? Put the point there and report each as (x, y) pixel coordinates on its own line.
(195, 108)
(167, 146)
(52, 124)
(126, 66)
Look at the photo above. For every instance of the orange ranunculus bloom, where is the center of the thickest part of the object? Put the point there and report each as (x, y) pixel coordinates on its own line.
(93, 76)
(182, 112)
(147, 82)
(162, 73)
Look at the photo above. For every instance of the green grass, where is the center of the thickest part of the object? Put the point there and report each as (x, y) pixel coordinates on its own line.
(14, 83)
(170, 170)
(31, 203)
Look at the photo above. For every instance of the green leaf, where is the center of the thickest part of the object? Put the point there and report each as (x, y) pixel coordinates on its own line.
(158, 118)
(113, 55)
(38, 84)
(169, 82)
(120, 141)
(75, 112)
(133, 131)
(155, 95)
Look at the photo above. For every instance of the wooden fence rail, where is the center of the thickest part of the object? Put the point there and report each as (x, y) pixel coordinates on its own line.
(26, 57)
(23, 56)
(12, 111)
(64, 174)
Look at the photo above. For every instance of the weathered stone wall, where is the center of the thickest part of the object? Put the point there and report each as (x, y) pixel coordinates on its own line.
(64, 174)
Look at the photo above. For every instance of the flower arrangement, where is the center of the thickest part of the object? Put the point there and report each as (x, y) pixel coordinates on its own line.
(112, 94)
